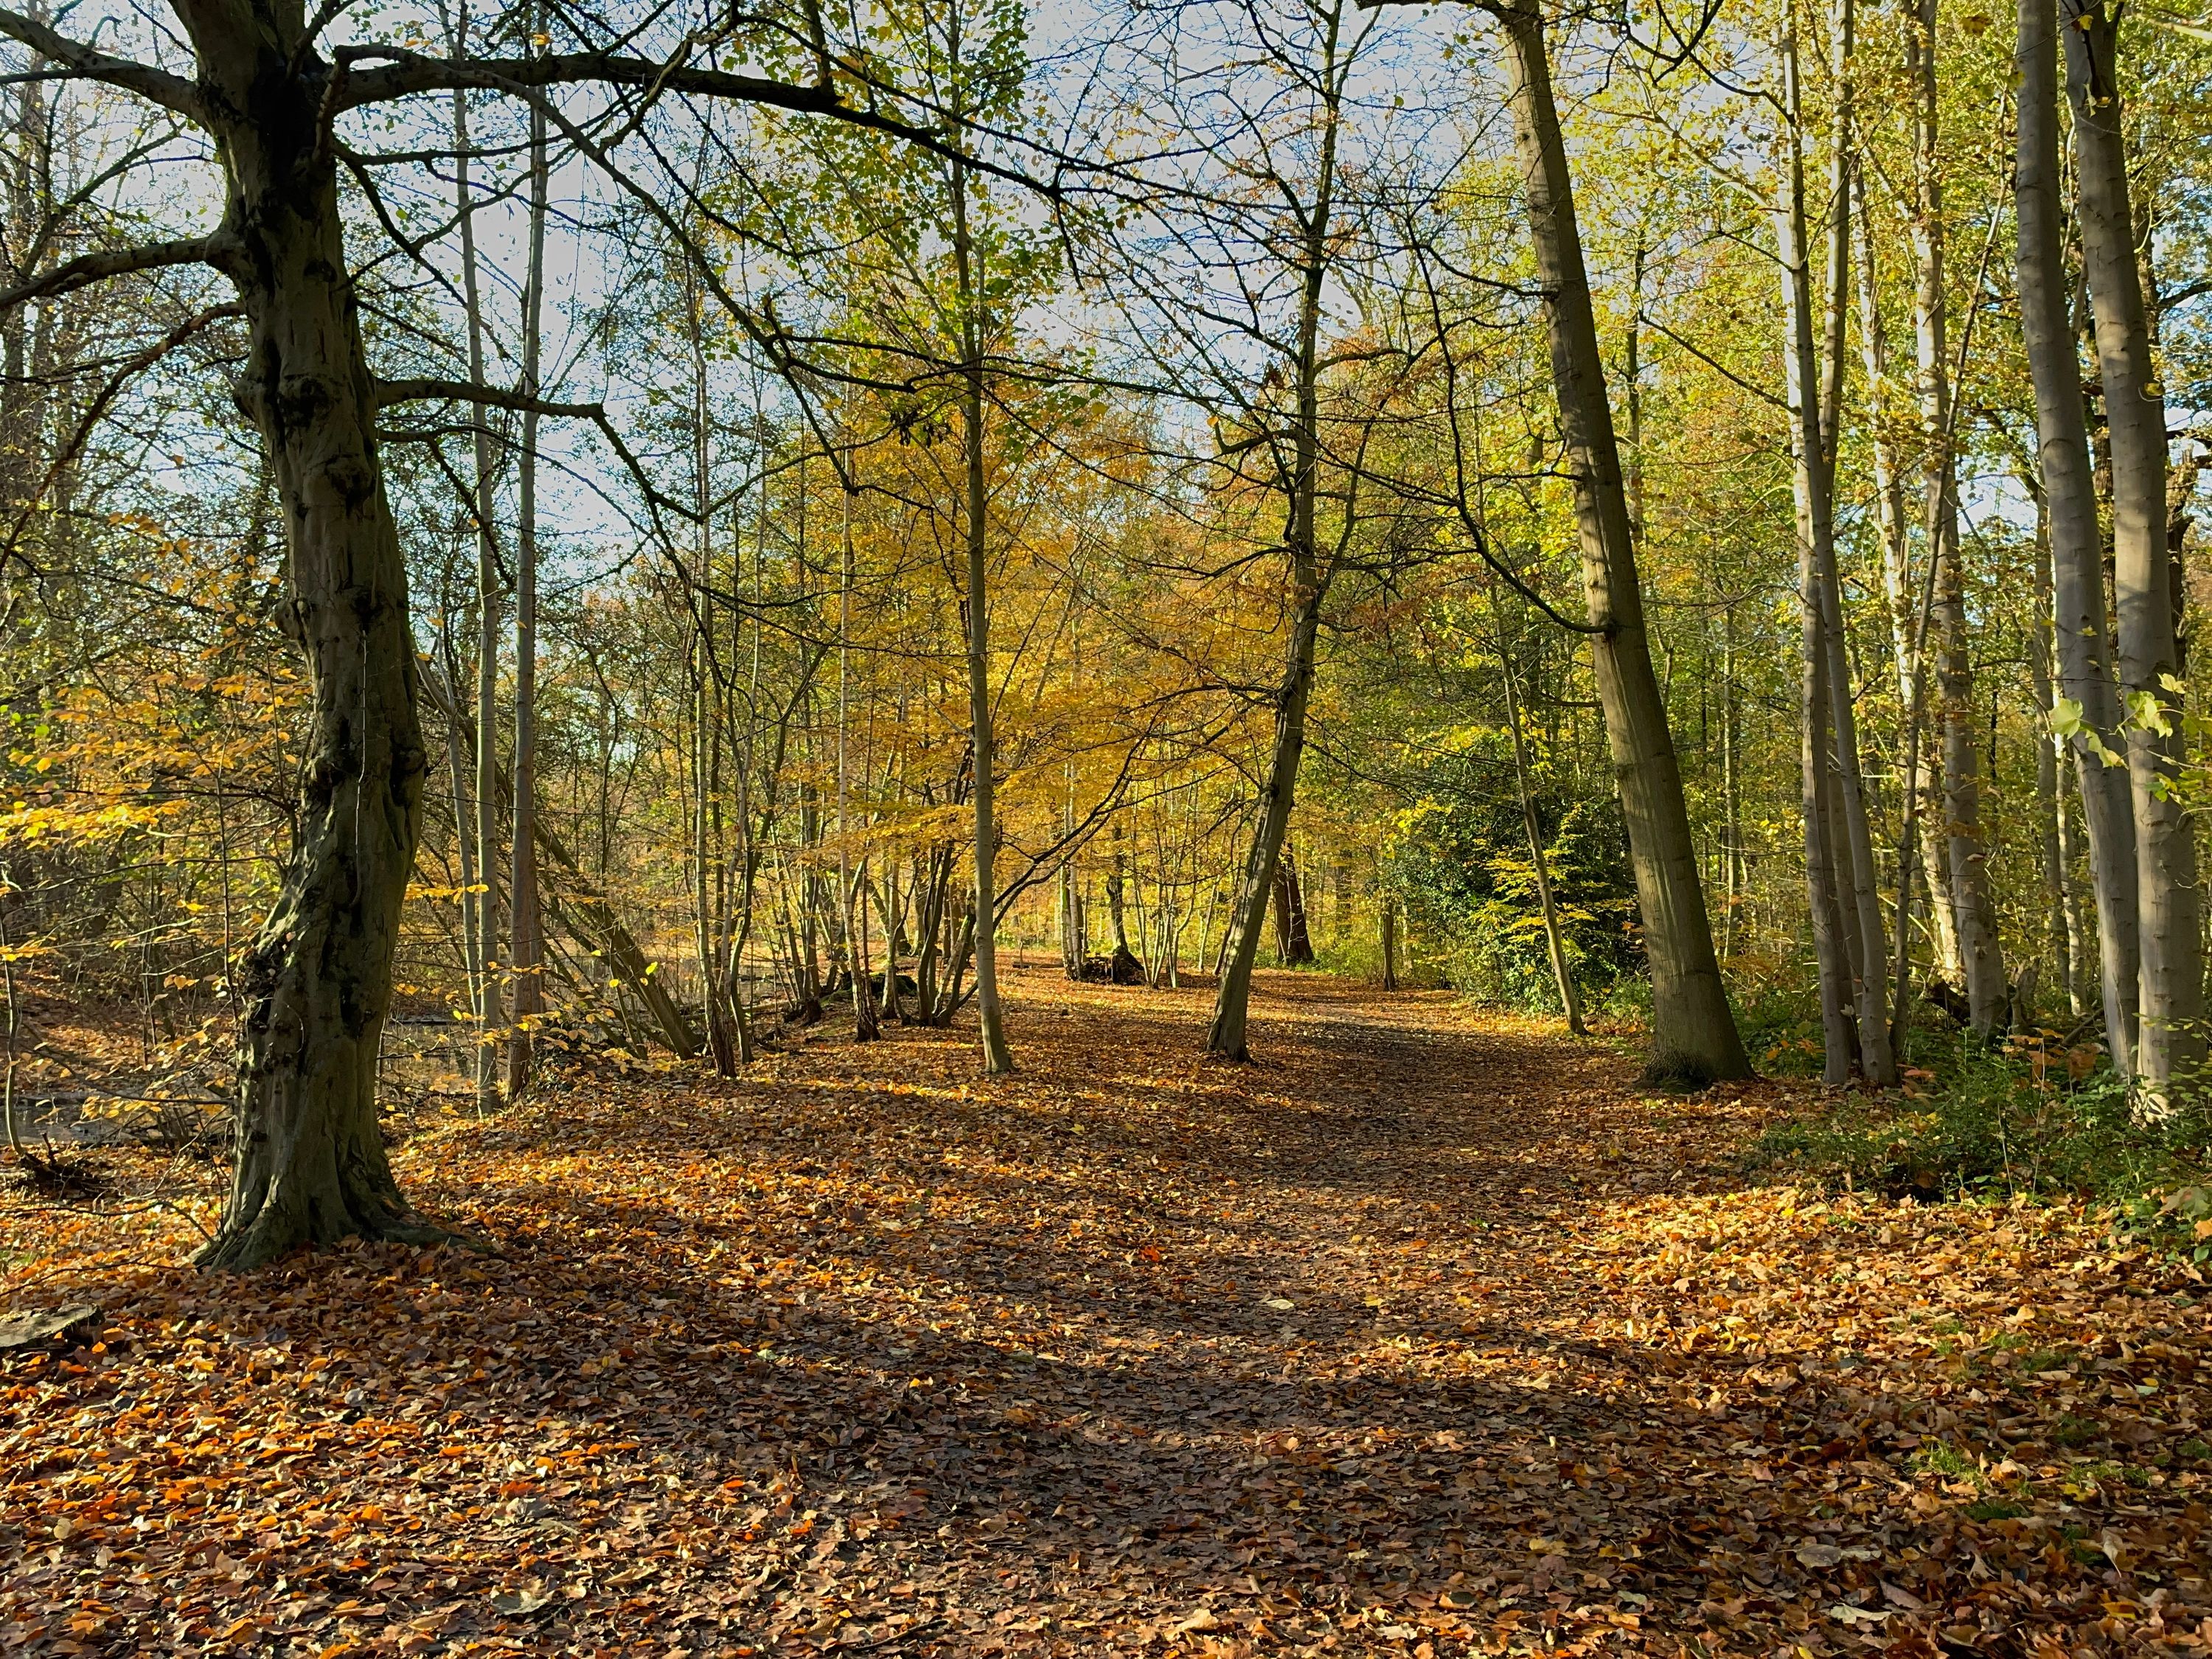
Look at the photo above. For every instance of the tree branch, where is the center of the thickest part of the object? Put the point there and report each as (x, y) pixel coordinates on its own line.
(406, 73)
(136, 364)
(90, 268)
(424, 389)
(89, 62)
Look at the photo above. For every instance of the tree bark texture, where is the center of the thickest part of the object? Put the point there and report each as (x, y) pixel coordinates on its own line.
(310, 1160)
(2170, 955)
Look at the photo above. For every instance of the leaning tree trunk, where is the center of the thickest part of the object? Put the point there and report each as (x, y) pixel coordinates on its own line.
(311, 1166)
(1248, 915)
(1693, 1030)
(2171, 964)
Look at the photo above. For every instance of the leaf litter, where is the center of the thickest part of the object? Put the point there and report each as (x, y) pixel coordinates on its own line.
(1429, 1334)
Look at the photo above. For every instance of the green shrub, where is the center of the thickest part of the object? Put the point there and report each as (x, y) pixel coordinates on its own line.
(2002, 1122)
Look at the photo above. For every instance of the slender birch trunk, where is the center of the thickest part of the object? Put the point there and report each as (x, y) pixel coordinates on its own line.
(1907, 643)
(1693, 1030)
(489, 594)
(1555, 939)
(1839, 854)
(526, 947)
(998, 1059)
(1968, 853)
(2170, 974)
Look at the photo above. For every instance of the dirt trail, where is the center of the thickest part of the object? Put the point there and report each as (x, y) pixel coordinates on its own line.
(1429, 1333)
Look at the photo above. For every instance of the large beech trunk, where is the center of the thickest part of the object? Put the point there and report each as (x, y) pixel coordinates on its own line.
(2081, 633)
(2171, 971)
(311, 1165)
(1693, 1030)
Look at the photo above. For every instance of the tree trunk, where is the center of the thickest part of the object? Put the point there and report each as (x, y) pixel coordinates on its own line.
(1967, 860)
(1907, 642)
(1125, 968)
(1389, 940)
(618, 948)
(1249, 914)
(1555, 939)
(2049, 803)
(1297, 934)
(1846, 910)
(2080, 632)
(2170, 952)
(855, 916)
(489, 596)
(998, 1059)
(526, 947)
(1226, 1038)
(317, 984)
(1693, 1030)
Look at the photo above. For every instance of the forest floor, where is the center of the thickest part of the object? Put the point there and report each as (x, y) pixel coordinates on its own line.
(1430, 1334)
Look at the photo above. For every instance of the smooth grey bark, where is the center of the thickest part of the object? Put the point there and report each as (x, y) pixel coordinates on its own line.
(1968, 853)
(1693, 1030)
(527, 946)
(2170, 964)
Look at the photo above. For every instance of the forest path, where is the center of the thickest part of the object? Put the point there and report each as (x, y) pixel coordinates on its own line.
(1428, 1332)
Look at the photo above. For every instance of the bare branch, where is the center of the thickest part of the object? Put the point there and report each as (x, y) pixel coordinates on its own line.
(406, 72)
(90, 268)
(138, 364)
(424, 389)
(89, 62)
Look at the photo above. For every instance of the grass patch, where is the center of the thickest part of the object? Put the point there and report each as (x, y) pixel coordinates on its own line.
(1942, 1459)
